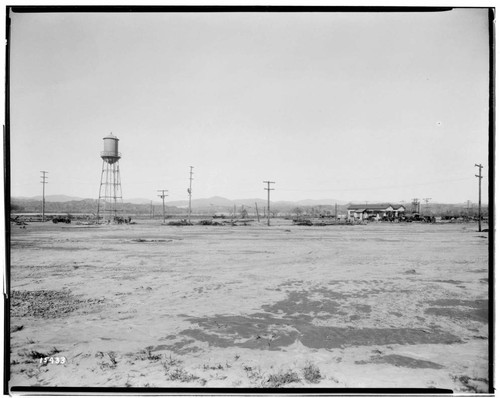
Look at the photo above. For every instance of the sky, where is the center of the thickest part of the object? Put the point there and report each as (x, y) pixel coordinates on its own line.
(348, 106)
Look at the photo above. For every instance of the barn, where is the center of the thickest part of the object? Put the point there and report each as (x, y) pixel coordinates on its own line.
(374, 211)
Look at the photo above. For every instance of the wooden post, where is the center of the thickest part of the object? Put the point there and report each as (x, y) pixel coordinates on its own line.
(257, 210)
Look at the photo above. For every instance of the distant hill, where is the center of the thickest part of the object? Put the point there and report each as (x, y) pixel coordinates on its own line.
(52, 198)
(318, 202)
(139, 201)
(213, 201)
(216, 204)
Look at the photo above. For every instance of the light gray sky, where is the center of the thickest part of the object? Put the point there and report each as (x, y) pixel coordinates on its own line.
(351, 106)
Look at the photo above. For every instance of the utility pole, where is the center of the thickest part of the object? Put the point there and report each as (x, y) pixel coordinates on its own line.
(479, 204)
(257, 210)
(44, 181)
(416, 205)
(269, 189)
(189, 192)
(162, 196)
(427, 204)
(336, 212)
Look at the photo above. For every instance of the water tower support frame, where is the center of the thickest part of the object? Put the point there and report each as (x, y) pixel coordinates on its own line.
(112, 197)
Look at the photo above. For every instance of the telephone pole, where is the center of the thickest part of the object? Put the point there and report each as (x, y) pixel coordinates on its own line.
(44, 181)
(479, 204)
(257, 211)
(162, 196)
(427, 204)
(416, 205)
(269, 189)
(189, 192)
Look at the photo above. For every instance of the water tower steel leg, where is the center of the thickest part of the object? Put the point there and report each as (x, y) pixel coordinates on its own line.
(114, 191)
(100, 193)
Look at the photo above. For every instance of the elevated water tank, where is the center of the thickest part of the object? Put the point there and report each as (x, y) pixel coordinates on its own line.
(110, 153)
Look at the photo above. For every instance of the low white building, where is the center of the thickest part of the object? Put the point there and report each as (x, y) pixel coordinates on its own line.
(374, 211)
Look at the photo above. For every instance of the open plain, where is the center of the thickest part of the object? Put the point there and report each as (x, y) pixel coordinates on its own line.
(149, 305)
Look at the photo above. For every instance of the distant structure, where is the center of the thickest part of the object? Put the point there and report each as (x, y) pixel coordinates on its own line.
(374, 211)
(110, 199)
(190, 191)
(415, 206)
(269, 189)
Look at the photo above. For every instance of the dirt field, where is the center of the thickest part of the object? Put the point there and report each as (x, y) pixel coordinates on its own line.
(146, 305)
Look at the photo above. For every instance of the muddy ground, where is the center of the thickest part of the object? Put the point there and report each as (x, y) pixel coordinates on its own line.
(148, 305)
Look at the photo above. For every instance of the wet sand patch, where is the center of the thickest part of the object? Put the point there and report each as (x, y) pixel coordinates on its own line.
(475, 310)
(292, 319)
(402, 361)
(274, 333)
(479, 315)
(180, 347)
(300, 303)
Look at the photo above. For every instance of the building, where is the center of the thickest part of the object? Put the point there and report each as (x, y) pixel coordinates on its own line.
(375, 211)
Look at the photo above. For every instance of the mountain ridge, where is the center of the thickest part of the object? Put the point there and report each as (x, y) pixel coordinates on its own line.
(213, 201)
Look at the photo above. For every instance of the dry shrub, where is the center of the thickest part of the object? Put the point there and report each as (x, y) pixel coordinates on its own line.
(281, 378)
(181, 375)
(311, 373)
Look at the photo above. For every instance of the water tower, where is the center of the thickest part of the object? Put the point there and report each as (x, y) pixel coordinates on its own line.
(110, 201)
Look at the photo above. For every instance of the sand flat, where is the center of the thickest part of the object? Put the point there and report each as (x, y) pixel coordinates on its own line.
(377, 305)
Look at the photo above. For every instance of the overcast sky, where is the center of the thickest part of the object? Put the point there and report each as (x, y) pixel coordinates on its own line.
(351, 106)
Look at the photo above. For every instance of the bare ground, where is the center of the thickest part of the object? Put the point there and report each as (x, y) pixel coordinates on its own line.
(147, 305)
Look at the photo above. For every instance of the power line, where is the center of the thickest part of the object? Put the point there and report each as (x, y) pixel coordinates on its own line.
(44, 181)
(416, 205)
(190, 191)
(426, 203)
(479, 204)
(162, 196)
(269, 189)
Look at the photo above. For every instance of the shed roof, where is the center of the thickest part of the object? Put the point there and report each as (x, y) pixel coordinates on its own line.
(374, 206)
(369, 206)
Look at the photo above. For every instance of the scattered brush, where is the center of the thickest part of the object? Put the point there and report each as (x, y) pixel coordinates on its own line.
(279, 379)
(37, 354)
(172, 361)
(469, 385)
(147, 354)
(112, 358)
(179, 223)
(252, 374)
(112, 363)
(311, 373)
(181, 375)
(213, 367)
(153, 357)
